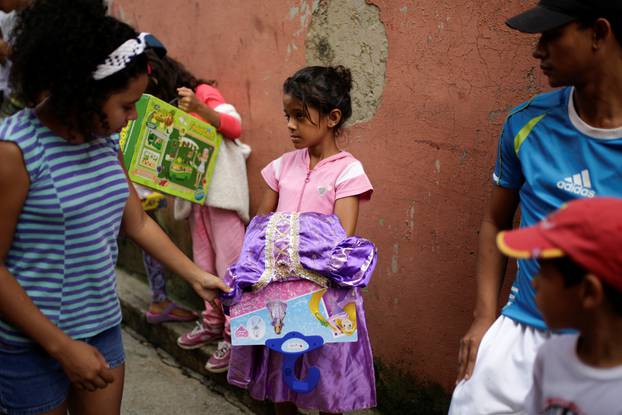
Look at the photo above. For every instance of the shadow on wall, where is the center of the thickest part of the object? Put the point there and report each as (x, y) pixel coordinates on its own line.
(401, 393)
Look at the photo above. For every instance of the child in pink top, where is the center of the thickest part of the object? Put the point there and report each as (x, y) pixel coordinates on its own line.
(316, 177)
(211, 222)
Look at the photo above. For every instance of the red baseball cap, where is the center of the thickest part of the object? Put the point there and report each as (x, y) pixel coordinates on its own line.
(588, 231)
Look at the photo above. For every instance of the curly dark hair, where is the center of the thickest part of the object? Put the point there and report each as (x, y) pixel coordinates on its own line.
(58, 44)
(167, 74)
(324, 88)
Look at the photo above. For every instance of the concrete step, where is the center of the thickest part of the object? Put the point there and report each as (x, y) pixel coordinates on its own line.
(156, 384)
(135, 295)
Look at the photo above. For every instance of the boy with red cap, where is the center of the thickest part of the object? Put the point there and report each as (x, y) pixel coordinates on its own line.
(579, 287)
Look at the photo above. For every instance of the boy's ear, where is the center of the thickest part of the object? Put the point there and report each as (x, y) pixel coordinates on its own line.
(334, 116)
(593, 294)
(602, 29)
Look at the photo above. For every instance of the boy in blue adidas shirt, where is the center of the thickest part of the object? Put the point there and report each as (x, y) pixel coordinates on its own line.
(557, 147)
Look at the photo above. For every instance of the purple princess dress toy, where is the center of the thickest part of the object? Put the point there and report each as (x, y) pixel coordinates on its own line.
(283, 247)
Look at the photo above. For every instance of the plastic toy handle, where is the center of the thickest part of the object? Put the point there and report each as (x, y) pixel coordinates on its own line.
(305, 385)
(307, 344)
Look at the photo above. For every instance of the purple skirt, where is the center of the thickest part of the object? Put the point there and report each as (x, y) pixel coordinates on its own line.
(347, 381)
(283, 246)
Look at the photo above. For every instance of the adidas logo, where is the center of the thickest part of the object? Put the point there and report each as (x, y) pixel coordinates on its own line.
(579, 184)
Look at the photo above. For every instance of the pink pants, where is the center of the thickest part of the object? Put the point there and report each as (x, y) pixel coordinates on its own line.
(217, 237)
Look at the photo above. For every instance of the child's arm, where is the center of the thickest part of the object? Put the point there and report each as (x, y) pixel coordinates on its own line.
(206, 103)
(269, 201)
(351, 187)
(189, 102)
(149, 236)
(82, 363)
(347, 210)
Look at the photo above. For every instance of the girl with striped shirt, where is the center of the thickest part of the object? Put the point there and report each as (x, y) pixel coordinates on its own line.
(65, 199)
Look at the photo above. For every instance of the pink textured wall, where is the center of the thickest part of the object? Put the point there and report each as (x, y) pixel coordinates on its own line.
(453, 72)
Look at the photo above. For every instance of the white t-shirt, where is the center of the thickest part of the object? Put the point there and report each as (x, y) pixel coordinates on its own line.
(563, 385)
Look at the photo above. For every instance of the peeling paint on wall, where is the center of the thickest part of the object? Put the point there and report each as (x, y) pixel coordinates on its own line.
(115, 9)
(350, 33)
(302, 12)
(411, 221)
(395, 259)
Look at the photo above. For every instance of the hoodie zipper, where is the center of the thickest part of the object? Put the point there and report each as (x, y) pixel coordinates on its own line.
(307, 180)
(303, 190)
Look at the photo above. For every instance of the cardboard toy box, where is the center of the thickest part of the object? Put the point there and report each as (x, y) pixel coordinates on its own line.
(294, 306)
(169, 150)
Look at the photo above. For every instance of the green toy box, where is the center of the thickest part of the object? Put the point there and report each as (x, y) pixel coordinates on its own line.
(169, 150)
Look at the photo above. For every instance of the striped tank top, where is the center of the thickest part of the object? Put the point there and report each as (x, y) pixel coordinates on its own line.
(64, 249)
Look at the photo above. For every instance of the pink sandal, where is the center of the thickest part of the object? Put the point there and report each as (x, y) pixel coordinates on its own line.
(167, 315)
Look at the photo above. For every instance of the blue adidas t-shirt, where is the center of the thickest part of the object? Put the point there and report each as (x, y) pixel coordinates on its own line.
(552, 156)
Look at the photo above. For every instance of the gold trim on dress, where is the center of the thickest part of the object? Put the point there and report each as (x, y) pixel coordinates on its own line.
(282, 263)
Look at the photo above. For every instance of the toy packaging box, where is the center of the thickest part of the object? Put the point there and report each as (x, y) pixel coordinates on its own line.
(169, 150)
(294, 306)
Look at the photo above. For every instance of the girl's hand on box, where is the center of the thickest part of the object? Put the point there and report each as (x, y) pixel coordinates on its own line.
(208, 285)
(188, 101)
